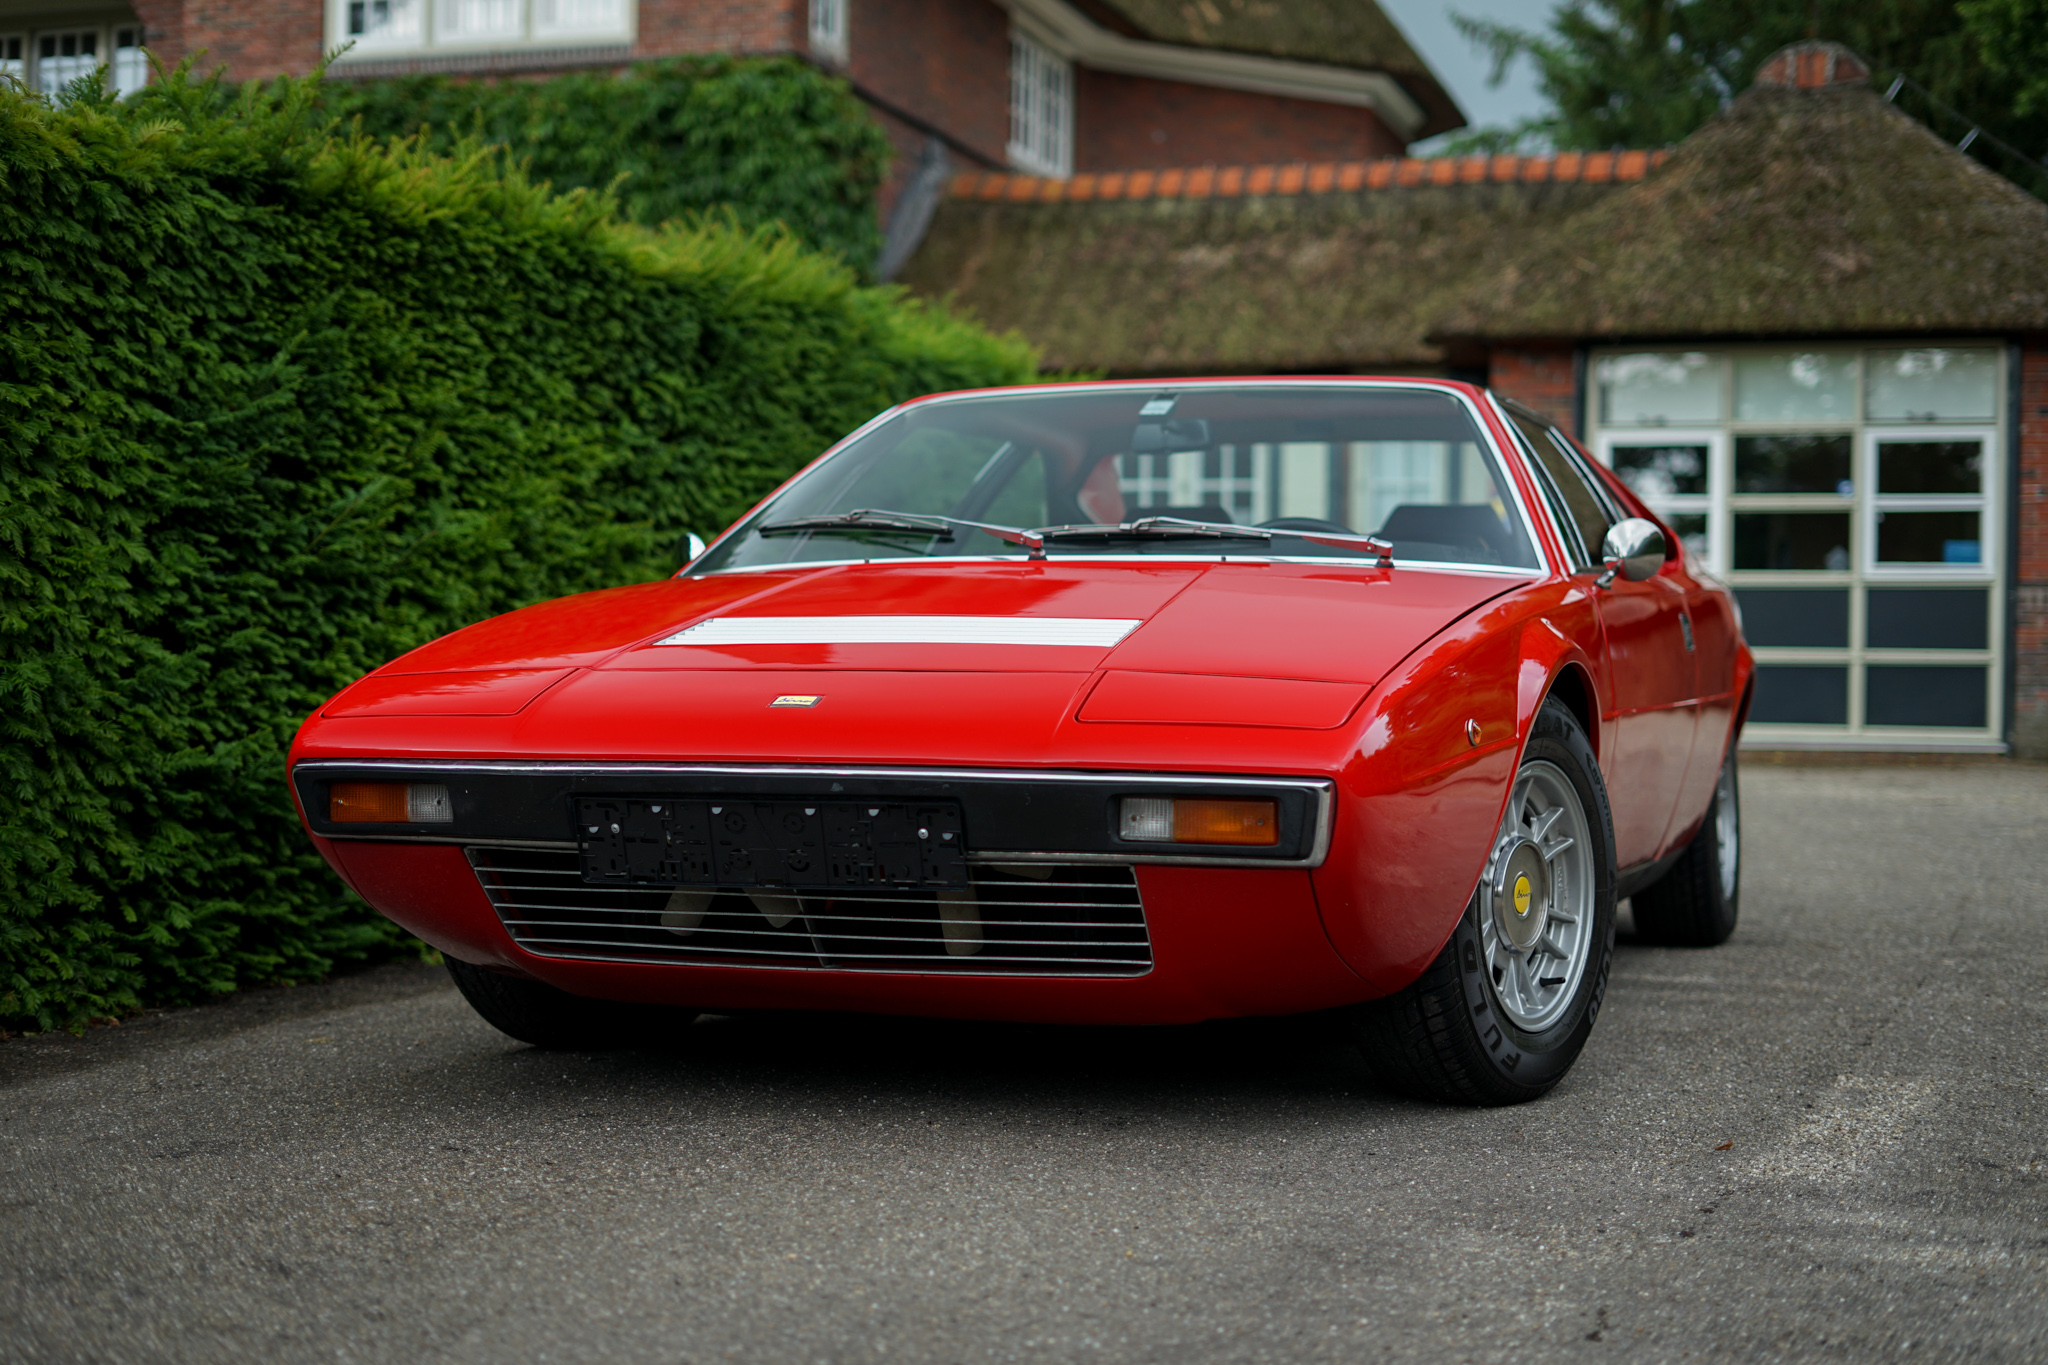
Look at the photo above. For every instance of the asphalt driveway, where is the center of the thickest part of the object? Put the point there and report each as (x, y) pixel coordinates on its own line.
(1827, 1139)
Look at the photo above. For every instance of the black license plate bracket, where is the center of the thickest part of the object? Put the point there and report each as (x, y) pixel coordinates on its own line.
(743, 842)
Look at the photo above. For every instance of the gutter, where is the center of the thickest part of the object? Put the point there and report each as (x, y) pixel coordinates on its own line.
(1060, 27)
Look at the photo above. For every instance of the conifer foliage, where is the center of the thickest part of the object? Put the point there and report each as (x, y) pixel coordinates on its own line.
(768, 139)
(278, 402)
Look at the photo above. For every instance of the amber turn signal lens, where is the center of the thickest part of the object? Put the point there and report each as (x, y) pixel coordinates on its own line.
(1225, 822)
(351, 803)
(1185, 820)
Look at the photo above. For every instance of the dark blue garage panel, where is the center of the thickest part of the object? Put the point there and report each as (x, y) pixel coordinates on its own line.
(1927, 618)
(1814, 618)
(1900, 694)
(1801, 694)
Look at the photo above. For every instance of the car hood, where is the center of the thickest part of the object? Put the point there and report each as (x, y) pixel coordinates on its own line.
(881, 662)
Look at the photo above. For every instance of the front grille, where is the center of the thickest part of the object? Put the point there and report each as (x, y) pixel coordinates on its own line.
(1028, 918)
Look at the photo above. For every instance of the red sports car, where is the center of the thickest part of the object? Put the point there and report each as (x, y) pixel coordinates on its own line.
(1097, 703)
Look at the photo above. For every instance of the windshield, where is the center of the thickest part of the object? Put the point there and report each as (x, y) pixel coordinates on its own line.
(1407, 465)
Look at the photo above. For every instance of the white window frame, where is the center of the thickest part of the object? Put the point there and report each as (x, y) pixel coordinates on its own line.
(1041, 108)
(1720, 524)
(1983, 502)
(126, 64)
(433, 33)
(829, 25)
(1863, 573)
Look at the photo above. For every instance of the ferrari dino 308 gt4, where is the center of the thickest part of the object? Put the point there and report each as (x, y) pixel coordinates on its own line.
(1096, 703)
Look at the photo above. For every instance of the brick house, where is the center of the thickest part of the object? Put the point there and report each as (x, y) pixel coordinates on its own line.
(1813, 335)
(1051, 87)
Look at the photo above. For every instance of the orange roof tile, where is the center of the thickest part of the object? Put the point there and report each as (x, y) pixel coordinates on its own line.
(1321, 177)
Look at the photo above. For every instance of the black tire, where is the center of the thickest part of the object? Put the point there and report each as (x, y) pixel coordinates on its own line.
(1695, 904)
(1445, 1036)
(537, 1013)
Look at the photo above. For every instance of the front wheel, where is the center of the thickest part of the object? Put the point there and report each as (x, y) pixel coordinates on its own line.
(1694, 904)
(1507, 1006)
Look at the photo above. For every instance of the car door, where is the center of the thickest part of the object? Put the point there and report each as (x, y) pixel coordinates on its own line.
(1648, 648)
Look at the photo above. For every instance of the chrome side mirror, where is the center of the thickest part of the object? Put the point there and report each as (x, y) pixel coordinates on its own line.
(1634, 548)
(693, 550)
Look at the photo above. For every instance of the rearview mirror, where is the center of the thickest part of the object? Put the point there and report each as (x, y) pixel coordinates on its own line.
(1634, 548)
(1187, 433)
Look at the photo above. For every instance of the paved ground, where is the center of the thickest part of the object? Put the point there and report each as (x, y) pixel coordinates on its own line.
(363, 1171)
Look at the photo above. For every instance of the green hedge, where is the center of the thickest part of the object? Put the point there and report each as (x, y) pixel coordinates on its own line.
(278, 405)
(771, 139)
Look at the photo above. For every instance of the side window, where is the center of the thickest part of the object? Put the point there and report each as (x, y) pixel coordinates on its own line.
(1582, 504)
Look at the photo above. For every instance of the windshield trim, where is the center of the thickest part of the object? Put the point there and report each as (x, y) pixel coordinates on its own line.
(1327, 561)
(1510, 455)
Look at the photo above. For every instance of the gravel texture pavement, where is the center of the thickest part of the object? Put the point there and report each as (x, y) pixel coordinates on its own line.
(1827, 1139)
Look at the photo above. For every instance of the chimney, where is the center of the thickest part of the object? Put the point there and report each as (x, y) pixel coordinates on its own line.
(1813, 66)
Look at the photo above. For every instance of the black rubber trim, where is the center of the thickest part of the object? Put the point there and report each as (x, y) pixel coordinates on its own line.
(1060, 815)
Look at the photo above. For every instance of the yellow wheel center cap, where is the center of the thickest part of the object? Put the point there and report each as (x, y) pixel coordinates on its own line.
(1521, 893)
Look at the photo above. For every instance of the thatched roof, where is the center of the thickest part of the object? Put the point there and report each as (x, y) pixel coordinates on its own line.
(1266, 268)
(1354, 33)
(1796, 212)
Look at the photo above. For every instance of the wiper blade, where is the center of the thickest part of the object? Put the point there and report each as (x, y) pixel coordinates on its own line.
(861, 519)
(1181, 528)
(1153, 528)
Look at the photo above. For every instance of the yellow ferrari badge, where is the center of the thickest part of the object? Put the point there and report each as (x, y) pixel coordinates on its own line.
(1521, 893)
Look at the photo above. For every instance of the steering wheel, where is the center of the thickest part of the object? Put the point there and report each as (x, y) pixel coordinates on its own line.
(1306, 524)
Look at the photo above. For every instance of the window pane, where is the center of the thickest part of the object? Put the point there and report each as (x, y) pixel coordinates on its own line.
(1801, 694)
(1811, 618)
(1792, 540)
(1793, 464)
(1933, 384)
(1930, 466)
(1928, 618)
(571, 18)
(472, 19)
(1801, 386)
(1659, 389)
(378, 22)
(1930, 695)
(1656, 472)
(1929, 538)
(1586, 509)
(1692, 533)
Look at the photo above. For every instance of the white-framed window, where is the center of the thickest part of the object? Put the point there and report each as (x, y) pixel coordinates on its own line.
(63, 55)
(130, 67)
(1041, 109)
(49, 60)
(1851, 496)
(382, 28)
(828, 29)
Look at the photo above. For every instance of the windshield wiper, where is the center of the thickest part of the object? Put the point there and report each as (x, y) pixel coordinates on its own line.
(1180, 528)
(1034, 541)
(1155, 528)
(862, 519)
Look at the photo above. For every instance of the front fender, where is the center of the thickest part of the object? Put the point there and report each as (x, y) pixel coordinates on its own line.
(1419, 800)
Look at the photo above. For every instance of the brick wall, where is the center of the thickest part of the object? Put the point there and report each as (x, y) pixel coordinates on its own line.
(943, 62)
(2030, 597)
(1540, 377)
(669, 28)
(278, 37)
(1136, 123)
(258, 38)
